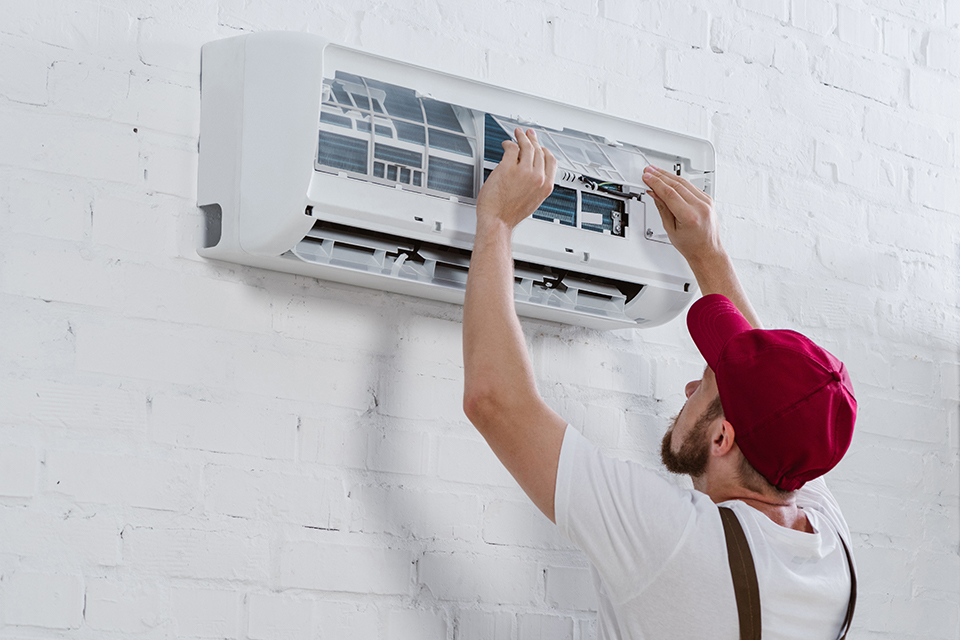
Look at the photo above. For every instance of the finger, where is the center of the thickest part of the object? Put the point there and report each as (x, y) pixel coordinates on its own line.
(526, 148)
(666, 216)
(549, 167)
(510, 153)
(674, 201)
(538, 162)
(681, 184)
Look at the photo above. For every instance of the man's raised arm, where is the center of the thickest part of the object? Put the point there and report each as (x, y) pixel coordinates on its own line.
(691, 223)
(500, 395)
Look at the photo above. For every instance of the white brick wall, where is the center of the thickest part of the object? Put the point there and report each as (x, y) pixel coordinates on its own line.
(192, 449)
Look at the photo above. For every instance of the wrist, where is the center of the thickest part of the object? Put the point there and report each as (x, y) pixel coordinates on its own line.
(488, 222)
(709, 260)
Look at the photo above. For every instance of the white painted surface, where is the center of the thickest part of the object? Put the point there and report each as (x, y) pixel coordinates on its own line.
(193, 449)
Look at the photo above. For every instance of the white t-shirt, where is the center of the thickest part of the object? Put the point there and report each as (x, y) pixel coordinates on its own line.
(659, 556)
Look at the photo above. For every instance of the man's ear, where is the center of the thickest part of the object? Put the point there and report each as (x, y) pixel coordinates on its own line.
(723, 439)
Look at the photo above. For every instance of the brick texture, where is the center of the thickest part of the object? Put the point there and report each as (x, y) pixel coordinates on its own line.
(203, 450)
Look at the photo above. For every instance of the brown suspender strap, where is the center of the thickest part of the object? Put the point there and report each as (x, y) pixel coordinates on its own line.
(744, 573)
(853, 592)
(745, 586)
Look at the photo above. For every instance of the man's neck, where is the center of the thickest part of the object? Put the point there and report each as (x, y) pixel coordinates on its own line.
(782, 511)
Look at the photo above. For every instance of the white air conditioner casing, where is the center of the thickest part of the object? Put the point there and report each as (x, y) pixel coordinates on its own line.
(329, 162)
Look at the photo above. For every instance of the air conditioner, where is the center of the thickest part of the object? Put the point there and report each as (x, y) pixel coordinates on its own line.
(329, 162)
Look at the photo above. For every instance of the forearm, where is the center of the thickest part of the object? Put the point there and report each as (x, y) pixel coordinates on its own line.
(715, 274)
(497, 367)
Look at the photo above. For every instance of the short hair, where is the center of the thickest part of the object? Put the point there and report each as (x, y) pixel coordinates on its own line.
(749, 477)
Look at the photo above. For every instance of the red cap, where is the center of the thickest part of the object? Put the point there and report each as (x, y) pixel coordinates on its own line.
(790, 402)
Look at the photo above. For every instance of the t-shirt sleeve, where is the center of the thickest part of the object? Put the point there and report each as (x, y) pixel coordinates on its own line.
(628, 520)
(815, 494)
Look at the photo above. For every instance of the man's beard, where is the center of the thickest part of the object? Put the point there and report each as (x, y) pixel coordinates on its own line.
(694, 452)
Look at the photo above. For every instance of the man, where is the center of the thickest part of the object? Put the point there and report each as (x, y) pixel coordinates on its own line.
(771, 414)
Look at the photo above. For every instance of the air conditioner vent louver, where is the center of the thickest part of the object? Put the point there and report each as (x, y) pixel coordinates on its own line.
(388, 159)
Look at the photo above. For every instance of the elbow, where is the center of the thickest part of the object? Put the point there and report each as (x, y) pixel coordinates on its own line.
(479, 404)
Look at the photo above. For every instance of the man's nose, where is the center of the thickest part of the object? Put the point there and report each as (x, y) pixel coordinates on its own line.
(691, 387)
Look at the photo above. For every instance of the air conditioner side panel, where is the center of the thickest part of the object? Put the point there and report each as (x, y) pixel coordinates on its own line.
(283, 79)
(221, 130)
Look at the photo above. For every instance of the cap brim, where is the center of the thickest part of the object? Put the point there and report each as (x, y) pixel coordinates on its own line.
(712, 321)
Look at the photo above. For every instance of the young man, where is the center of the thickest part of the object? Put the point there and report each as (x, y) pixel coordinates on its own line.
(772, 413)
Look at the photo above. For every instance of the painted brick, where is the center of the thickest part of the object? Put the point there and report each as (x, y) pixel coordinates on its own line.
(859, 28)
(907, 137)
(164, 105)
(880, 465)
(87, 88)
(816, 16)
(896, 40)
(332, 320)
(469, 577)
(755, 45)
(34, 206)
(930, 92)
(18, 471)
(305, 500)
(337, 620)
(338, 438)
(191, 553)
(133, 226)
(535, 626)
(914, 375)
(205, 613)
(683, 23)
(939, 190)
(24, 76)
(602, 424)
(71, 145)
(861, 76)
(224, 427)
(77, 536)
(700, 73)
(276, 617)
(859, 264)
(950, 381)
(904, 421)
(403, 512)
(569, 363)
(421, 397)
(72, 406)
(570, 588)
(860, 169)
(779, 9)
(47, 600)
(483, 625)
(123, 606)
(922, 10)
(516, 523)
(170, 167)
(130, 480)
(333, 567)
(472, 462)
(276, 394)
(396, 451)
(425, 625)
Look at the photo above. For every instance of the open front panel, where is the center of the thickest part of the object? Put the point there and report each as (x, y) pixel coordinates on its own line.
(392, 135)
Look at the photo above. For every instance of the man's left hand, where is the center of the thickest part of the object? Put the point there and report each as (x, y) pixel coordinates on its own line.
(522, 180)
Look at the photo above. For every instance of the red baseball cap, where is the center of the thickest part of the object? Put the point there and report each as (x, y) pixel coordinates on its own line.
(790, 402)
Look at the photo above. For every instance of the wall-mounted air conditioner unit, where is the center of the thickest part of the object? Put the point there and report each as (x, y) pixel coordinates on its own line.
(329, 162)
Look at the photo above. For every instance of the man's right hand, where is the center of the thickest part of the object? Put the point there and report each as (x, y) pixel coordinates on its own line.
(691, 224)
(687, 214)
